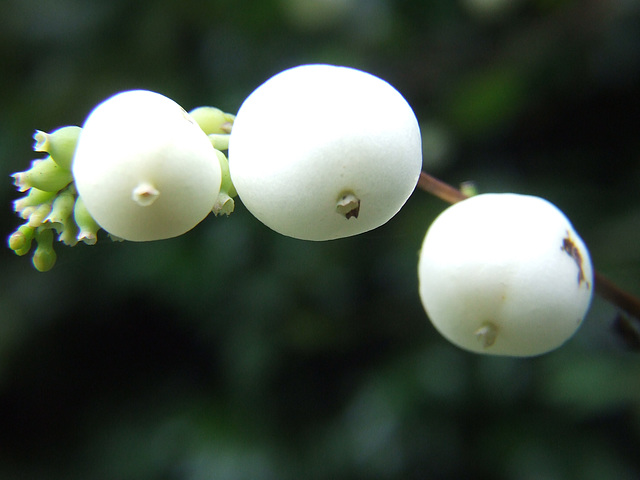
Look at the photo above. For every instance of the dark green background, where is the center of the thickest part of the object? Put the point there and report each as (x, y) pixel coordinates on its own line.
(235, 353)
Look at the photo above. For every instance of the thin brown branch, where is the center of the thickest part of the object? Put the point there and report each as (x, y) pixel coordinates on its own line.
(603, 286)
(616, 295)
(440, 189)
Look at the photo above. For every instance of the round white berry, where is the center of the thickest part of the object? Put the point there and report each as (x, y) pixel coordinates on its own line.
(321, 152)
(505, 274)
(144, 168)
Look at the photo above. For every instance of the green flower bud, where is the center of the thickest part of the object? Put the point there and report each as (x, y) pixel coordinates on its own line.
(88, 226)
(469, 188)
(62, 206)
(212, 120)
(44, 175)
(20, 240)
(39, 214)
(69, 232)
(26, 205)
(60, 144)
(44, 258)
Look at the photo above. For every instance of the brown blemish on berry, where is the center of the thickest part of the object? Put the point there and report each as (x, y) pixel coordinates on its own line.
(348, 205)
(573, 251)
(487, 334)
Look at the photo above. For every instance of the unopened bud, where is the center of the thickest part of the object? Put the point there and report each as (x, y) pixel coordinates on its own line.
(212, 120)
(44, 258)
(20, 240)
(68, 233)
(44, 175)
(39, 214)
(62, 206)
(88, 226)
(26, 205)
(60, 144)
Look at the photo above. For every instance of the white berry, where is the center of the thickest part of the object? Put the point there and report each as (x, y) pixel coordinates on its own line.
(505, 274)
(144, 168)
(321, 152)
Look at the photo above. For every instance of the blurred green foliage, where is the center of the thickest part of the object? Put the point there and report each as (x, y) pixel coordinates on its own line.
(235, 353)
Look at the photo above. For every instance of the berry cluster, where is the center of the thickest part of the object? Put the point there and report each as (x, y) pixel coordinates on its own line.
(502, 274)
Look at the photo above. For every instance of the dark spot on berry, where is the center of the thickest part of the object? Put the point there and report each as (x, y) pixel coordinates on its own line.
(573, 251)
(348, 205)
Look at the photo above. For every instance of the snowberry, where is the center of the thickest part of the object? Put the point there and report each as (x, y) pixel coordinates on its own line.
(144, 168)
(505, 274)
(320, 152)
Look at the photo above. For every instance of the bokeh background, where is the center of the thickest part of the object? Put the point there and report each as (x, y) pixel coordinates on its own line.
(235, 353)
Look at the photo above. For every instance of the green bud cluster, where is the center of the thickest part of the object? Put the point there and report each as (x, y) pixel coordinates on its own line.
(217, 125)
(51, 202)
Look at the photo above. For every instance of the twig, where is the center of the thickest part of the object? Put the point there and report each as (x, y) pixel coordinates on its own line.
(619, 297)
(440, 189)
(603, 286)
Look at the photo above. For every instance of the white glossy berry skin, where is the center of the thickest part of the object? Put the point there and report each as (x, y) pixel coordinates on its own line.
(144, 168)
(320, 152)
(505, 274)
